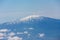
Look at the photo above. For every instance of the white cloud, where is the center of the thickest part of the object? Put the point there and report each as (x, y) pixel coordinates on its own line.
(11, 34)
(31, 28)
(29, 35)
(20, 33)
(14, 38)
(25, 32)
(41, 35)
(2, 35)
(4, 30)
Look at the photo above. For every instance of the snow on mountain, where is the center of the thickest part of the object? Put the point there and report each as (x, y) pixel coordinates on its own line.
(30, 17)
(34, 27)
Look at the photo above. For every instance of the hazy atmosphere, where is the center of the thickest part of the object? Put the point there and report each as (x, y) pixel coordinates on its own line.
(29, 19)
(14, 9)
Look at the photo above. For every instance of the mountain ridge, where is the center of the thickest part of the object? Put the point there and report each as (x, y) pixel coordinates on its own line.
(31, 18)
(39, 28)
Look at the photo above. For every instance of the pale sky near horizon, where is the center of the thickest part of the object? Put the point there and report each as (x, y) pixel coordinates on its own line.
(14, 9)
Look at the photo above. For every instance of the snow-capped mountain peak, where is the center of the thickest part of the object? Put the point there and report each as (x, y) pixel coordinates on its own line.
(34, 27)
(31, 17)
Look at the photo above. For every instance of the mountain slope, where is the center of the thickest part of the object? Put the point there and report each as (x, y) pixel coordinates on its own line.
(35, 27)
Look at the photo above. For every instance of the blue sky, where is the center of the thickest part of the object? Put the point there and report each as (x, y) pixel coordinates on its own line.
(14, 9)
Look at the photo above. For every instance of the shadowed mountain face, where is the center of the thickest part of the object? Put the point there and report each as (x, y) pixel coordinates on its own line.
(33, 28)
